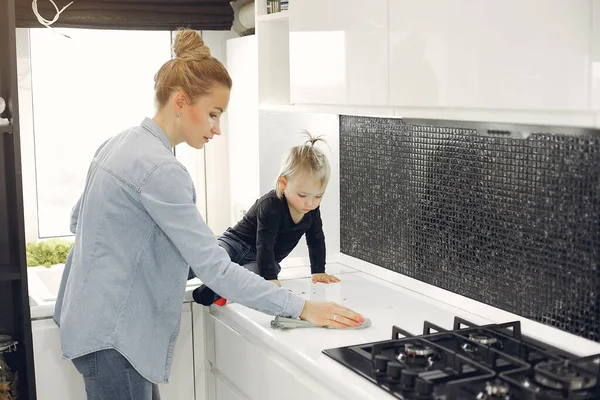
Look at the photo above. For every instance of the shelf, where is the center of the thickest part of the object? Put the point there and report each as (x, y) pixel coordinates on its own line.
(370, 111)
(9, 276)
(274, 60)
(278, 16)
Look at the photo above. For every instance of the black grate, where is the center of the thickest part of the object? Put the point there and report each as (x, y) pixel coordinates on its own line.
(506, 216)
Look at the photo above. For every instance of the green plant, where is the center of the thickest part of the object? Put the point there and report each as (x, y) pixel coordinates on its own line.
(47, 253)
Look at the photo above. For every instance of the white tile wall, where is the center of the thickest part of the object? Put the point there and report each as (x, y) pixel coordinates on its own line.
(281, 130)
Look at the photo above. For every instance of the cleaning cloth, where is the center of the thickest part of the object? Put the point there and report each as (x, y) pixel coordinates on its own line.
(292, 323)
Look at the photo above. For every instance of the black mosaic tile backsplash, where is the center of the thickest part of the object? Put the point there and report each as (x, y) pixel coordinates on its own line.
(501, 214)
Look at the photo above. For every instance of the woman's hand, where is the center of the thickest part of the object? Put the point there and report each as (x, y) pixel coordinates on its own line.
(330, 314)
(275, 281)
(325, 278)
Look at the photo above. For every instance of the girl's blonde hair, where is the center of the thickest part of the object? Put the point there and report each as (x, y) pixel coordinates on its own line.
(193, 70)
(306, 159)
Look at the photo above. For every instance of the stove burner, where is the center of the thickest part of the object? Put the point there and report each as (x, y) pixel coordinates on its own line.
(469, 347)
(417, 351)
(417, 358)
(494, 391)
(562, 375)
(483, 339)
(497, 389)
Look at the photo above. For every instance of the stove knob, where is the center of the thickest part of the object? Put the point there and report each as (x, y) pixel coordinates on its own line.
(381, 363)
(424, 389)
(407, 379)
(394, 370)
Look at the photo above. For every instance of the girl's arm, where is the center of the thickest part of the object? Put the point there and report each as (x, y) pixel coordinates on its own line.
(268, 218)
(315, 239)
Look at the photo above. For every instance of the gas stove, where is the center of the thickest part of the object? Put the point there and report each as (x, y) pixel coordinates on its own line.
(471, 362)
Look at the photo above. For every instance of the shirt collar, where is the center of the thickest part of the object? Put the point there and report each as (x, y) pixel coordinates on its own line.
(157, 131)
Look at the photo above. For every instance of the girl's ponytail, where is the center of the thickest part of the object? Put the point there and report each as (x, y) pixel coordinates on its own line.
(306, 159)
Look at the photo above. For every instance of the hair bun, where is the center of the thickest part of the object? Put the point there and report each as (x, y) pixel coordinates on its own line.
(310, 139)
(189, 45)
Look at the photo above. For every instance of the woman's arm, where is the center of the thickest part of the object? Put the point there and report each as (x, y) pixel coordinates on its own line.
(167, 195)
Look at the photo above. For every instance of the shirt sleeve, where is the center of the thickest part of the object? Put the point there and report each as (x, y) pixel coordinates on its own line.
(167, 195)
(315, 239)
(75, 216)
(268, 219)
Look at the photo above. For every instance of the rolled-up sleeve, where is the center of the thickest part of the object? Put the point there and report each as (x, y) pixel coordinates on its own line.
(167, 195)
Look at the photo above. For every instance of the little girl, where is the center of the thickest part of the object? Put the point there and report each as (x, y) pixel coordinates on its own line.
(273, 226)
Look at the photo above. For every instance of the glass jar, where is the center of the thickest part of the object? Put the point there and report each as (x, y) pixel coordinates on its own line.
(8, 377)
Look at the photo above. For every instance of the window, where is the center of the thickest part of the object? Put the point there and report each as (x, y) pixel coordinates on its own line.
(84, 89)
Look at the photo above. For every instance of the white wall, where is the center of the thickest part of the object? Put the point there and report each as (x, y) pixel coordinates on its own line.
(258, 141)
(278, 132)
(218, 196)
(210, 167)
(242, 115)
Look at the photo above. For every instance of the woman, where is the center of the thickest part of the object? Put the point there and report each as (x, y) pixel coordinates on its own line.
(138, 232)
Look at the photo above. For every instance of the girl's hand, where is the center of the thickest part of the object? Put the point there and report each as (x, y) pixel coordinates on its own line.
(330, 314)
(325, 278)
(275, 281)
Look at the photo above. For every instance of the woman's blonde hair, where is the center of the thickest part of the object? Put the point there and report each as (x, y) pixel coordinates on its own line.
(307, 160)
(193, 70)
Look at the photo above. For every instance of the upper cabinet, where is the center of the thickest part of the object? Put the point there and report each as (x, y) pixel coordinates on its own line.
(526, 57)
(511, 54)
(339, 52)
(595, 57)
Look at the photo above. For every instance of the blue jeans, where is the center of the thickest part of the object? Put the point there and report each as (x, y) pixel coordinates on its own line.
(239, 251)
(109, 376)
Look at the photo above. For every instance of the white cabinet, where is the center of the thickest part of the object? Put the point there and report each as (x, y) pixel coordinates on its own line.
(55, 378)
(339, 52)
(181, 380)
(223, 391)
(531, 61)
(511, 54)
(241, 368)
(595, 59)
(199, 314)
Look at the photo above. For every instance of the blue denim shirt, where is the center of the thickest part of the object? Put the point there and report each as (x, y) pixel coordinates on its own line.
(137, 233)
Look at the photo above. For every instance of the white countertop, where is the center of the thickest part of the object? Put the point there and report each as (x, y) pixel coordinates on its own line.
(390, 299)
(384, 303)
